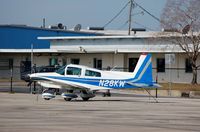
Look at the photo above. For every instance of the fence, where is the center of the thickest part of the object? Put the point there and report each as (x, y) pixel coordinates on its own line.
(176, 75)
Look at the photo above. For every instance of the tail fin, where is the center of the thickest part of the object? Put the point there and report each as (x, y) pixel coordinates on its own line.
(143, 70)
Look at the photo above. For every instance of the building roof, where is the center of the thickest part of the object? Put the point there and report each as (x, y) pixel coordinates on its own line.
(22, 37)
(67, 41)
(48, 29)
(116, 34)
(121, 32)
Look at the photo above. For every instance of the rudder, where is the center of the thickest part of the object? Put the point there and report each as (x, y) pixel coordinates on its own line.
(143, 69)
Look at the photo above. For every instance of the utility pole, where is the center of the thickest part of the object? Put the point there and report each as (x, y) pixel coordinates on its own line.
(130, 17)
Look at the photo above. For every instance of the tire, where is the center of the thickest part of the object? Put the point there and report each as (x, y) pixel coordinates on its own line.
(46, 98)
(85, 99)
(67, 99)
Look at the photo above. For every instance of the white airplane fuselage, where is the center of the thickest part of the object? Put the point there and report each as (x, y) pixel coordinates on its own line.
(90, 79)
(105, 80)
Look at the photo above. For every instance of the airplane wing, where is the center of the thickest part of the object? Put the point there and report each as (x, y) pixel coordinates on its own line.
(52, 82)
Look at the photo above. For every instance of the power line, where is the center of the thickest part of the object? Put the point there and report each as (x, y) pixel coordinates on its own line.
(156, 18)
(122, 26)
(143, 25)
(116, 15)
(133, 5)
(137, 23)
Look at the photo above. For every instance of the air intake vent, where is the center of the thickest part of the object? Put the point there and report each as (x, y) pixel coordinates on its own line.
(138, 29)
(95, 28)
(170, 30)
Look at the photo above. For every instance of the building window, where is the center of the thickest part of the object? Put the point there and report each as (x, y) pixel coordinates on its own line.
(53, 61)
(75, 61)
(6, 64)
(64, 62)
(132, 64)
(188, 66)
(160, 65)
(97, 63)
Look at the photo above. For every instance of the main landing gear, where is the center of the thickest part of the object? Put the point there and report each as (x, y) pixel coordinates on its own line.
(69, 95)
(85, 95)
(107, 93)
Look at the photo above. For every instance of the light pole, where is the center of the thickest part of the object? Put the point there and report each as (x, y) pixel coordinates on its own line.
(11, 79)
(31, 64)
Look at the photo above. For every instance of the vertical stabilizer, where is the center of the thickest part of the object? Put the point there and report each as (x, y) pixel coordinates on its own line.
(143, 70)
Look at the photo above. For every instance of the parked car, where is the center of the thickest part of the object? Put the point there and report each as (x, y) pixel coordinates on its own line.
(25, 77)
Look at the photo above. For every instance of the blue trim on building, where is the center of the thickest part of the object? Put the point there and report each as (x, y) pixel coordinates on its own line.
(21, 37)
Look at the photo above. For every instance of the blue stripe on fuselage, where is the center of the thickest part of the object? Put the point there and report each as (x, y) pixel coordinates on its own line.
(143, 65)
(107, 83)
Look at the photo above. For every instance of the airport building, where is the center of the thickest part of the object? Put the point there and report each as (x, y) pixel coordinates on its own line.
(17, 42)
(99, 49)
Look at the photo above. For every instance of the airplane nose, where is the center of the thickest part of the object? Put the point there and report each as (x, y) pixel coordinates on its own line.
(32, 75)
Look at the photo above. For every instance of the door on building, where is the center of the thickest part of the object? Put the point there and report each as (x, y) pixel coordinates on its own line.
(75, 61)
(132, 64)
(97, 63)
(25, 69)
(53, 61)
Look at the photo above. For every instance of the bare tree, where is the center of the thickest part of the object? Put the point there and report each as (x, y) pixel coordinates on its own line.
(183, 16)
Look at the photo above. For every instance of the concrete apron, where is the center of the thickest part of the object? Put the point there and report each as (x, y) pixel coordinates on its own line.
(168, 93)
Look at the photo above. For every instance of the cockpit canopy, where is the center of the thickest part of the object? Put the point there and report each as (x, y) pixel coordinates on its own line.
(73, 71)
(78, 70)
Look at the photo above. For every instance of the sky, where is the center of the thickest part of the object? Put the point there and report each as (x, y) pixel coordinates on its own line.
(88, 13)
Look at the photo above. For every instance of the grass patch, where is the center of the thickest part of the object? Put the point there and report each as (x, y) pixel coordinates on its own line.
(180, 86)
(175, 86)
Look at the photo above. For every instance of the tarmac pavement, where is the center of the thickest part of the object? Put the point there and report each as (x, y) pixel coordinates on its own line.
(30, 113)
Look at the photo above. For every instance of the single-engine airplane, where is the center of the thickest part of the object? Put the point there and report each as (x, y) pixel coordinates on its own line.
(89, 80)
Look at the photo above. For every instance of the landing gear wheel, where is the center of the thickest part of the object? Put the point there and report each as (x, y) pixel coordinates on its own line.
(108, 94)
(67, 99)
(85, 99)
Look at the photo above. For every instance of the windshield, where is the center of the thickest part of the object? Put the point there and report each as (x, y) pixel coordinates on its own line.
(61, 71)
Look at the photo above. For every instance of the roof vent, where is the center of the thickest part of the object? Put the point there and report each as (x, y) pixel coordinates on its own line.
(170, 30)
(95, 28)
(138, 29)
(58, 26)
(77, 27)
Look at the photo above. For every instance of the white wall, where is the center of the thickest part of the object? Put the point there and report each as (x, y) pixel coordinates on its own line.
(109, 59)
(177, 71)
